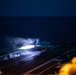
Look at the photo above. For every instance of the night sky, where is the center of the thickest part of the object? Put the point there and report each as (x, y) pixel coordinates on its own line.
(46, 19)
(37, 7)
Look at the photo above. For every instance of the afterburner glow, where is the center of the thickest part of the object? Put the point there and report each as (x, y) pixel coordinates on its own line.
(69, 68)
(27, 47)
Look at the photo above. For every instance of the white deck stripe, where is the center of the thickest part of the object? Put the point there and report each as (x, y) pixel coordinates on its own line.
(46, 62)
(46, 69)
(50, 66)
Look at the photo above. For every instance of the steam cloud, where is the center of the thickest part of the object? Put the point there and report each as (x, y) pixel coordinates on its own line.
(12, 43)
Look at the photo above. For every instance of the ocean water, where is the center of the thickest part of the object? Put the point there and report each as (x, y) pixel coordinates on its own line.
(52, 29)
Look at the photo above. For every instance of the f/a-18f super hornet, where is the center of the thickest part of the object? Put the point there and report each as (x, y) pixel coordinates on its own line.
(25, 47)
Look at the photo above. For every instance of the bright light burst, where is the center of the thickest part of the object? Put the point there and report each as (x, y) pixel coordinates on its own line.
(27, 47)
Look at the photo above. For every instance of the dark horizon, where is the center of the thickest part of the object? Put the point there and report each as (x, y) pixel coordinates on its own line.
(47, 28)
